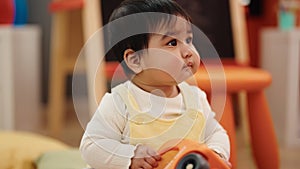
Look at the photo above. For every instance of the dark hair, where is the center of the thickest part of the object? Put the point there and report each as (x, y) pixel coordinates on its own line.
(139, 41)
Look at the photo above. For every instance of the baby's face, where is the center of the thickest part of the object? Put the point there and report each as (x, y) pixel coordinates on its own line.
(171, 56)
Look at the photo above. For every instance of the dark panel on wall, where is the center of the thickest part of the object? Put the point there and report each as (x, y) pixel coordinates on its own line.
(256, 7)
(107, 9)
(213, 18)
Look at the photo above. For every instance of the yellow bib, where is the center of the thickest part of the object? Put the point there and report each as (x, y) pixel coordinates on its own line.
(146, 129)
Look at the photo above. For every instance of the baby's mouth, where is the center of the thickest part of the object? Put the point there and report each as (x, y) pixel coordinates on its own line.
(188, 65)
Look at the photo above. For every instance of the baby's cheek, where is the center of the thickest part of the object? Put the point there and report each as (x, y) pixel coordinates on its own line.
(175, 65)
(171, 64)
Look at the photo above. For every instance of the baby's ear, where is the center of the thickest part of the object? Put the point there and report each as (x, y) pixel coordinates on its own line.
(132, 60)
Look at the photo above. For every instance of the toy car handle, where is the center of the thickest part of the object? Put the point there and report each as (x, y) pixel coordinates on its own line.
(176, 152)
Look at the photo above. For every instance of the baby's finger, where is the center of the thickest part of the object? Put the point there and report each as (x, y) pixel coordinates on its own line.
(154, 154)
(146, 165)
(228, 163)
(151, 161)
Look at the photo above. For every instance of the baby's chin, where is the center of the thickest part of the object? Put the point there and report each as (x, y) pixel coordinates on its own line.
(184, 78)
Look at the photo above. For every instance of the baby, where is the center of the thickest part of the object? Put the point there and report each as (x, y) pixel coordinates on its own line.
(156, 104)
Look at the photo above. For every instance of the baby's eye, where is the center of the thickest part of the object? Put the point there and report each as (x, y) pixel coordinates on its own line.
(172, 42)
(189, 40)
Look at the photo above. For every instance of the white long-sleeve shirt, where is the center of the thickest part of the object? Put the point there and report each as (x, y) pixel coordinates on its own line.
(105, 143)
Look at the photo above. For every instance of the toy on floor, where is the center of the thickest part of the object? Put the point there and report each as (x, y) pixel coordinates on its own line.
(187, 154)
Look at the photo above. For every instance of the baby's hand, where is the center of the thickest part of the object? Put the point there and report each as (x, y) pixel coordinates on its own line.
(144, 157)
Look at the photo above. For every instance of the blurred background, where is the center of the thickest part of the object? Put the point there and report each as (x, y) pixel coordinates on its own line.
(31, 79)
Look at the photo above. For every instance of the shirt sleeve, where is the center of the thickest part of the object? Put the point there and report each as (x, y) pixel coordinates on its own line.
(103, 144)
(215, 137)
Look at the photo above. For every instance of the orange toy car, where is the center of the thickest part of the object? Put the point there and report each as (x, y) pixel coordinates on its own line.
(187, 154)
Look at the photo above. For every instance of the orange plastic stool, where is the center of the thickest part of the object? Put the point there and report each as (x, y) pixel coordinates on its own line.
(262, 134)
